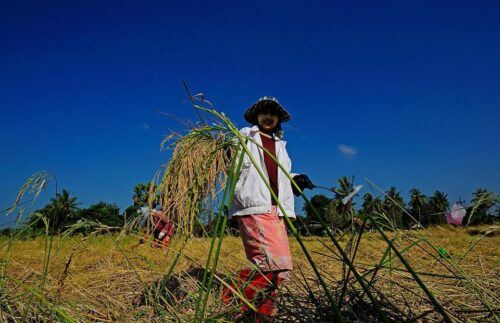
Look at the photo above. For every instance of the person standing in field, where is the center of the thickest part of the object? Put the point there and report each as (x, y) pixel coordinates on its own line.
(261, 221)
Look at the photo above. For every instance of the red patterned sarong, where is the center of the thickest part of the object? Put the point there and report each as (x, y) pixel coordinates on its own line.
(266, 241)
(266, 246)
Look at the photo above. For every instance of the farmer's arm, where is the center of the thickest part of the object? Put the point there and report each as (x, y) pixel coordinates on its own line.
(301, 180)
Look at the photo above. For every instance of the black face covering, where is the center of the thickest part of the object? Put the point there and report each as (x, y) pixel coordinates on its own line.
(264, 118)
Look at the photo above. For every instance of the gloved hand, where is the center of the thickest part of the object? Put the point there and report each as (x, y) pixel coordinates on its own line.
(303, 182)
(161, 235)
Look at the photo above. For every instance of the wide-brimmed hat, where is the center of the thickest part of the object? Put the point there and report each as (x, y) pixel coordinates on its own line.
(266, 102)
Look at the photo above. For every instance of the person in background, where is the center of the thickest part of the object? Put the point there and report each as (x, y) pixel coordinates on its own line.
(261, 221)
(162, 228)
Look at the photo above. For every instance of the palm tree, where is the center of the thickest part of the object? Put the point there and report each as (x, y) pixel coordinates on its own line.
(141, 193)
(367, 206)
(371, 205)
(345, 211)
(438, 205)
(319, 202)
(416, 207)
(393, 206)
(60, 209)
(482, 201)
(333, 216)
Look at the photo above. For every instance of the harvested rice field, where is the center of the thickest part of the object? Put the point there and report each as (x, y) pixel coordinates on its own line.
(111, 277)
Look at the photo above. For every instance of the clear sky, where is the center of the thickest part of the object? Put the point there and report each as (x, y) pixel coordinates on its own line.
(405, 93)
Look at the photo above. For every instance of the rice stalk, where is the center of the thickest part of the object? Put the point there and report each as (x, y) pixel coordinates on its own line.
(34, 185)
(242, 144)
(229, 190)
(488, 198)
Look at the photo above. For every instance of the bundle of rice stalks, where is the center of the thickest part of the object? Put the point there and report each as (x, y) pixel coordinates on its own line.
(195, 174)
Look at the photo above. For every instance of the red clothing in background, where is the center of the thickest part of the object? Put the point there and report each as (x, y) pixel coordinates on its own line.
(162, 227)
(271, 166)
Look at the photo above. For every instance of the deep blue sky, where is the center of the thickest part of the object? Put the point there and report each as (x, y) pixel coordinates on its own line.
(412, 86)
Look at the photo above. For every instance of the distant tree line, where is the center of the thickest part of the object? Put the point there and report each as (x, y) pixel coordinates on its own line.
(64, 211)
(391, 210)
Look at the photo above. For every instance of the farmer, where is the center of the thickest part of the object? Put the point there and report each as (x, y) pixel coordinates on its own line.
(162, 228)
(261, 221)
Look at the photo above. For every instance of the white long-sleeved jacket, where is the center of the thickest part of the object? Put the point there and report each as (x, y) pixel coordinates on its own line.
(251, 195)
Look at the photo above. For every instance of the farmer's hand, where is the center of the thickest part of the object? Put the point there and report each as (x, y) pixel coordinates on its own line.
(303, 182)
